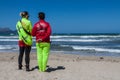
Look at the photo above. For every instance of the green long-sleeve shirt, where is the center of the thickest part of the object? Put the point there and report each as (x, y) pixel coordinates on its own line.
(26, 24)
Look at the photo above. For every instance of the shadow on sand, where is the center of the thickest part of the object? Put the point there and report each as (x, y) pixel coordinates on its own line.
(50, 69)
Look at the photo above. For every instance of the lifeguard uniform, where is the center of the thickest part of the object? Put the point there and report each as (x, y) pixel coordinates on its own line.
(42, 31)
(24, 38)
(27, 26)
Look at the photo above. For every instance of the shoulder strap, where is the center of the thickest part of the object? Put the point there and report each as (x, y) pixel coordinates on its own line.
(24, 29)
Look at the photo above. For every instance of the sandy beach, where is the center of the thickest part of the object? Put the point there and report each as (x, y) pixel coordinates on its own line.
(61, 67)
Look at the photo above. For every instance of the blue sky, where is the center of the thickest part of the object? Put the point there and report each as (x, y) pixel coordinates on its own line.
(66, 16)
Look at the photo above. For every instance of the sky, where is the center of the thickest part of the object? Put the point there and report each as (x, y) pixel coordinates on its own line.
(65, 16)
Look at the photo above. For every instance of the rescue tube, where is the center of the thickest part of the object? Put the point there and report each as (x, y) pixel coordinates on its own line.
(25, 37)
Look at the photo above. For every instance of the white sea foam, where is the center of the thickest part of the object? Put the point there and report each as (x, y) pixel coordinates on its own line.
(87, 36)
(12, 47)
(96, 49)
(80, 40)
(101, 36)
(8, 39)
(8, 46)
(68, 41)
(72, 36)
(11, 39)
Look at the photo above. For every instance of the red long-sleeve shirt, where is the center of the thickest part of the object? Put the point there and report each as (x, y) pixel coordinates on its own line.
(42, 31)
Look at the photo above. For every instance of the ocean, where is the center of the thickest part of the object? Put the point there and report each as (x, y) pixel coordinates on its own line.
(81, 44)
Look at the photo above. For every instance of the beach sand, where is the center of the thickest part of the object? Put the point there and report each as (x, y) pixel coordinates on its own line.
(61, 67)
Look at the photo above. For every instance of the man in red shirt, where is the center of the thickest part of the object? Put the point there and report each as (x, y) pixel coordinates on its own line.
(42, 32)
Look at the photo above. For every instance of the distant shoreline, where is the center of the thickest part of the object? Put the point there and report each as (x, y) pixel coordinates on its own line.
(5, 31)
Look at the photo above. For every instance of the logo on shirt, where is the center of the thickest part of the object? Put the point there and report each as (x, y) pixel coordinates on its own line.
(41, 27)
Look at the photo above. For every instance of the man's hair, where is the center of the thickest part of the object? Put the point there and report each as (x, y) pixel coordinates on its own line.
(24, 13)
(41, 15)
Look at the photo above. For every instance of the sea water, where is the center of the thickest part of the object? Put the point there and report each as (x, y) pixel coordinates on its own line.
(83, 44)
